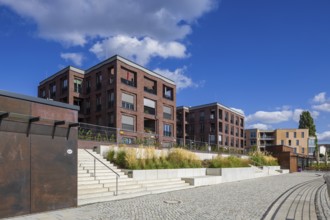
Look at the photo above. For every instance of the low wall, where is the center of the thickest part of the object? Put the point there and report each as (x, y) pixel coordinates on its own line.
(164, 173)
(235, 174)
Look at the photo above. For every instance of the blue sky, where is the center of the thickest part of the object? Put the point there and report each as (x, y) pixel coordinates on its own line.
(269, 59)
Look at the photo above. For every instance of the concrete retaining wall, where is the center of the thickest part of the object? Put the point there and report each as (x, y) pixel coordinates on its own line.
(165, 173)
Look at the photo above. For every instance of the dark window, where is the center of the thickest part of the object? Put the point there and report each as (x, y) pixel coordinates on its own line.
(168, 92)
(78, 85)
(128, 77)
(98, 103)
(149, 106)
(98, 80)
(150, 86)
(167, 130)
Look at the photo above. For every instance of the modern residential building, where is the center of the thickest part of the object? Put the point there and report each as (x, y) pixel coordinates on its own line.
(212, 123)
(294, 138)
(311, 146)
(118, 93)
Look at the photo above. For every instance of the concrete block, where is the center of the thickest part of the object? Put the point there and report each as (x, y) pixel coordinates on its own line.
(213, 171)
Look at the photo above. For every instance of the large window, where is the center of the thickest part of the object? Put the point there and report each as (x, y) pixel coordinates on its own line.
(167, 130)
(168, 92)
(52, 90)
(88, 106)
(98, 103)
(127, 101)
(167, 112)
(88, 85)
(77, 85)
(149, 106)
(98, 80)
(64, 85)
(127, 122)
(111, 98)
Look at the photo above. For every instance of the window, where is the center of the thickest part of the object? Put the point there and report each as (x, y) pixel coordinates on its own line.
(167, 112)
(149, 106)
(232, 119)
(295, 134)
(282, 142)
(43, 93)
(287, 134)
(111, 98)
(77, 85)
(232, 142)
(98, 120)
(111, 75)
(295, 150)
(111, 119)
(236, 121)
(220, 127)
(226, 116)
(167, 130)
(150, 86)
(52, 90)
(127, 123)
(168, 92)
(237, 132)
(226, 129)
(127, 101)
(242, 133)
(98, 80)
(98, 103)
(212, 128)
(78, 102)
(253, 134)
(201, 116)
(242, 122)
(226, 141)
(64, 85)
(212, 114)
(297, 142)
(232, 130)
(128, 77)
(88, 85)
(253, 142)
(289, 142)
(303, 150)
(220, 114)
(88, 106)
(302, 134)
(201, 128)
(220, 139)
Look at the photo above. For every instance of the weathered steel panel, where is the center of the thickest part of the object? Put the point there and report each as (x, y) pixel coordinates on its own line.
(53, 171)
(14, 174)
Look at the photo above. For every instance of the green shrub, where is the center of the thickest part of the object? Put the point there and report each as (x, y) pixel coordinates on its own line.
(111, 156)
(121, 159)
(263, 159)
(227, 162)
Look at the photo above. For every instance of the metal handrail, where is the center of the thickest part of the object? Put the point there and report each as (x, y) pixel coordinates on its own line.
(117, 175)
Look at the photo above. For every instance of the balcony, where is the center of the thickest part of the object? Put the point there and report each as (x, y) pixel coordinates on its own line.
(263, 137)
(127, 82)
(111, 104)
(149, 110)
(211, 117)
(150, 90)
(98, 107)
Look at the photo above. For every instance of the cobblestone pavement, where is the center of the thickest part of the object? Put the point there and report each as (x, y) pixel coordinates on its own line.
(248, 199)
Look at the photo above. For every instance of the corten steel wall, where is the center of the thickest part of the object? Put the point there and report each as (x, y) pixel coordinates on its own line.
(36, 172)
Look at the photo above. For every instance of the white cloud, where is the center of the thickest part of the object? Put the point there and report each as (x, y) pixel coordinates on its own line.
(178, 76)
(155, 28)
(325, 136)
(269, 117)
(322, 107)
(138, 50)
(76, 58)
(238, 110)
(320, 98)
(260, 126)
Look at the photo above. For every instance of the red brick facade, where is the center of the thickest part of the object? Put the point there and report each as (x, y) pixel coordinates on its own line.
(115, 91)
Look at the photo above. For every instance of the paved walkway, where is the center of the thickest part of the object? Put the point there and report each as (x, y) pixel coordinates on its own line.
(289, 196)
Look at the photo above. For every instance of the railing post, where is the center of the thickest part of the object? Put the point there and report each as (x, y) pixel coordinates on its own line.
(116, 185)
(94, 169)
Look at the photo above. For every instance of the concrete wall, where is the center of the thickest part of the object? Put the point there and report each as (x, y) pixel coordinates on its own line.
(165, 173)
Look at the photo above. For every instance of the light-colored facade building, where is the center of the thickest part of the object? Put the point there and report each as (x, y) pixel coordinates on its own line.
(294, 138)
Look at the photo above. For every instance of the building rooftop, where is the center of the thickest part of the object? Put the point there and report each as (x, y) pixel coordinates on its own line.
(210, 105)
(109, 60)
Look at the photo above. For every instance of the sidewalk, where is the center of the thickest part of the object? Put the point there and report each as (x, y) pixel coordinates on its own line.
(291, 196)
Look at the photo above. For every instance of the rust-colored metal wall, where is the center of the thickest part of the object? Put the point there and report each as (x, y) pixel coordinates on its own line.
(37, 172)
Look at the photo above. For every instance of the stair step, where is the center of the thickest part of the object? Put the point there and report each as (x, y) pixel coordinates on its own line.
(152, 188)
(92, 191)
(163, 184)
(158, 180)
(109, 198)
(170, 189)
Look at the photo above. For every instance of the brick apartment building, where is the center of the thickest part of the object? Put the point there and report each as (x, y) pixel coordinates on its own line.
(118, 93)
(211, 123)
(297, 139)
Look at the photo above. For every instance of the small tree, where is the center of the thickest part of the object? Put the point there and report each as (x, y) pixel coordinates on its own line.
(307, 121)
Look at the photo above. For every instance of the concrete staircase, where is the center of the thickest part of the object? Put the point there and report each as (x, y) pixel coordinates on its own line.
(102, 187)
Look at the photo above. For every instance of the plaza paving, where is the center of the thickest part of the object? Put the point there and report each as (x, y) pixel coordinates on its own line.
(289, 196)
